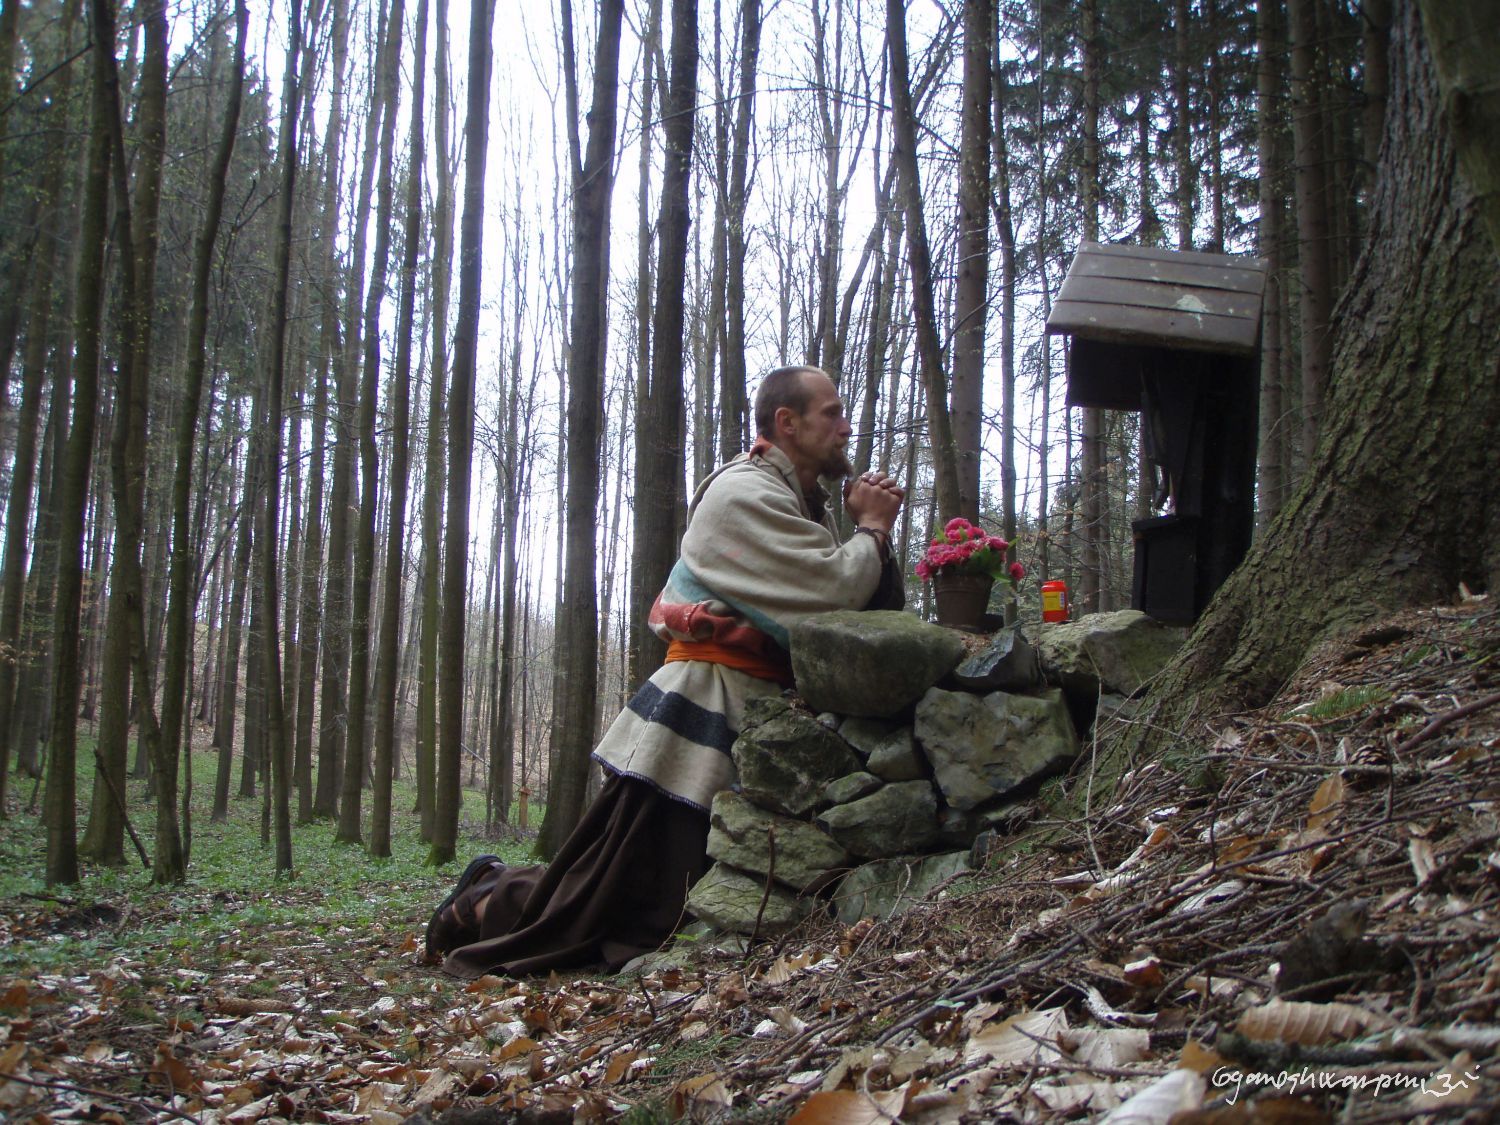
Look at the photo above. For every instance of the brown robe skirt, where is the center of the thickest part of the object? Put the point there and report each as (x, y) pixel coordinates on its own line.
(615, 891)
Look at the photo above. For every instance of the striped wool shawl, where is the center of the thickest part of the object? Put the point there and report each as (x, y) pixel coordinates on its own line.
(754, 561)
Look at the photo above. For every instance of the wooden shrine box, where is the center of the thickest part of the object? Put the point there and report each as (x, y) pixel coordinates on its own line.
(1175, 335)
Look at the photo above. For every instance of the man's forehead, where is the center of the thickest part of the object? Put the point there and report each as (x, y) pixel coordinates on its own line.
(820, 388)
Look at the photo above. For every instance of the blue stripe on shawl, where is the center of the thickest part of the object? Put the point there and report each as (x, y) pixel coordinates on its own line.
(689, 588)
(682, 717)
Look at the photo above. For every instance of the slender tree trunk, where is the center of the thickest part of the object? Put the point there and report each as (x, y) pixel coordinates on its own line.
(277, 748)
(62, 748)
(182, 581)
(1092, 585)
(355, 759)
(33, 376)
(461, 441)
(641, 596)
(659, 438)
(138, 234)
(971, 291)
(1313, 228)
(734, 411)
(432, 491)
(1272, 490)
(229, 677)
(574, 701)
(333, 698)
(1006, 233)
(1182, 124)
(390, 621)
(929, 350)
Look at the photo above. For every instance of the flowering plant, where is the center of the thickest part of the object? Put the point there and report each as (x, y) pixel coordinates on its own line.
(966, 548)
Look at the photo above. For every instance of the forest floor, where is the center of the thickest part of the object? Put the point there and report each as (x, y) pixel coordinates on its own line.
(1294, 918)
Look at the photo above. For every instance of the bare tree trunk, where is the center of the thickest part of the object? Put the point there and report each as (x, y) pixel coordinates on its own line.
(461, 442)
(929, 350)
(659, 438)
(1273, 475)
(62, 748)
(182, 581)
(33, 377)
(138, 232)
(432, 485)
(574, 698)
(640, 597)
(277, 748)
(1093, 586)
(1182, 124)
(355, 754)
(1006, 232)
(390, 620)
(971, 292)
(734, 420)
(333, 707)
(1313, 228)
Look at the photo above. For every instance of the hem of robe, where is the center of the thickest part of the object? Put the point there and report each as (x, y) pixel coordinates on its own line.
(617, 889)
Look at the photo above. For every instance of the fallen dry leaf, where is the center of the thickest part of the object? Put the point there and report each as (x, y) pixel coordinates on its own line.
(1307, 1023)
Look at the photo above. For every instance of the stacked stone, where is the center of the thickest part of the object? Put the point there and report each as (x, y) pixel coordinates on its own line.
(912, 750)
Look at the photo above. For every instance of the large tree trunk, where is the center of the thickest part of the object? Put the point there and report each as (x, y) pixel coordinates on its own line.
(1402, 502)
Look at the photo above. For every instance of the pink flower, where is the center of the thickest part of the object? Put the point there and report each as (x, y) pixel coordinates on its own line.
(924, 572)
(1017, 572)
(998, 544)
(955, 526)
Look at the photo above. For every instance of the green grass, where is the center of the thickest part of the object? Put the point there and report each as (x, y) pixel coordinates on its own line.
(232, 887)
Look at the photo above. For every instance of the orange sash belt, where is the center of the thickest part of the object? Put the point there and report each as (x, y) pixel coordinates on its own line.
(759, 665)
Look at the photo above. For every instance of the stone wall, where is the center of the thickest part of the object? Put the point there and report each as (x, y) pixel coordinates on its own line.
(914, 746)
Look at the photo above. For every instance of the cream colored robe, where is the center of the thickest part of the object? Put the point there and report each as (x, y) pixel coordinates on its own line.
(753, 562)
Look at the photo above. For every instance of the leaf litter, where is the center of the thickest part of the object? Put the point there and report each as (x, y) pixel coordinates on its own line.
(1310, 900)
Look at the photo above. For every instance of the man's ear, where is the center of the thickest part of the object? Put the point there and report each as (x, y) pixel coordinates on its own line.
(785, 421)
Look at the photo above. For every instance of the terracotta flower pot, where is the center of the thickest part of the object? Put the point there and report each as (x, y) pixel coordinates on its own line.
(962, 599)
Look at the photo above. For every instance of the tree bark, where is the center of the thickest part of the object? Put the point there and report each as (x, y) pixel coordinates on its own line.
(1314, 229)
(1271, 493)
